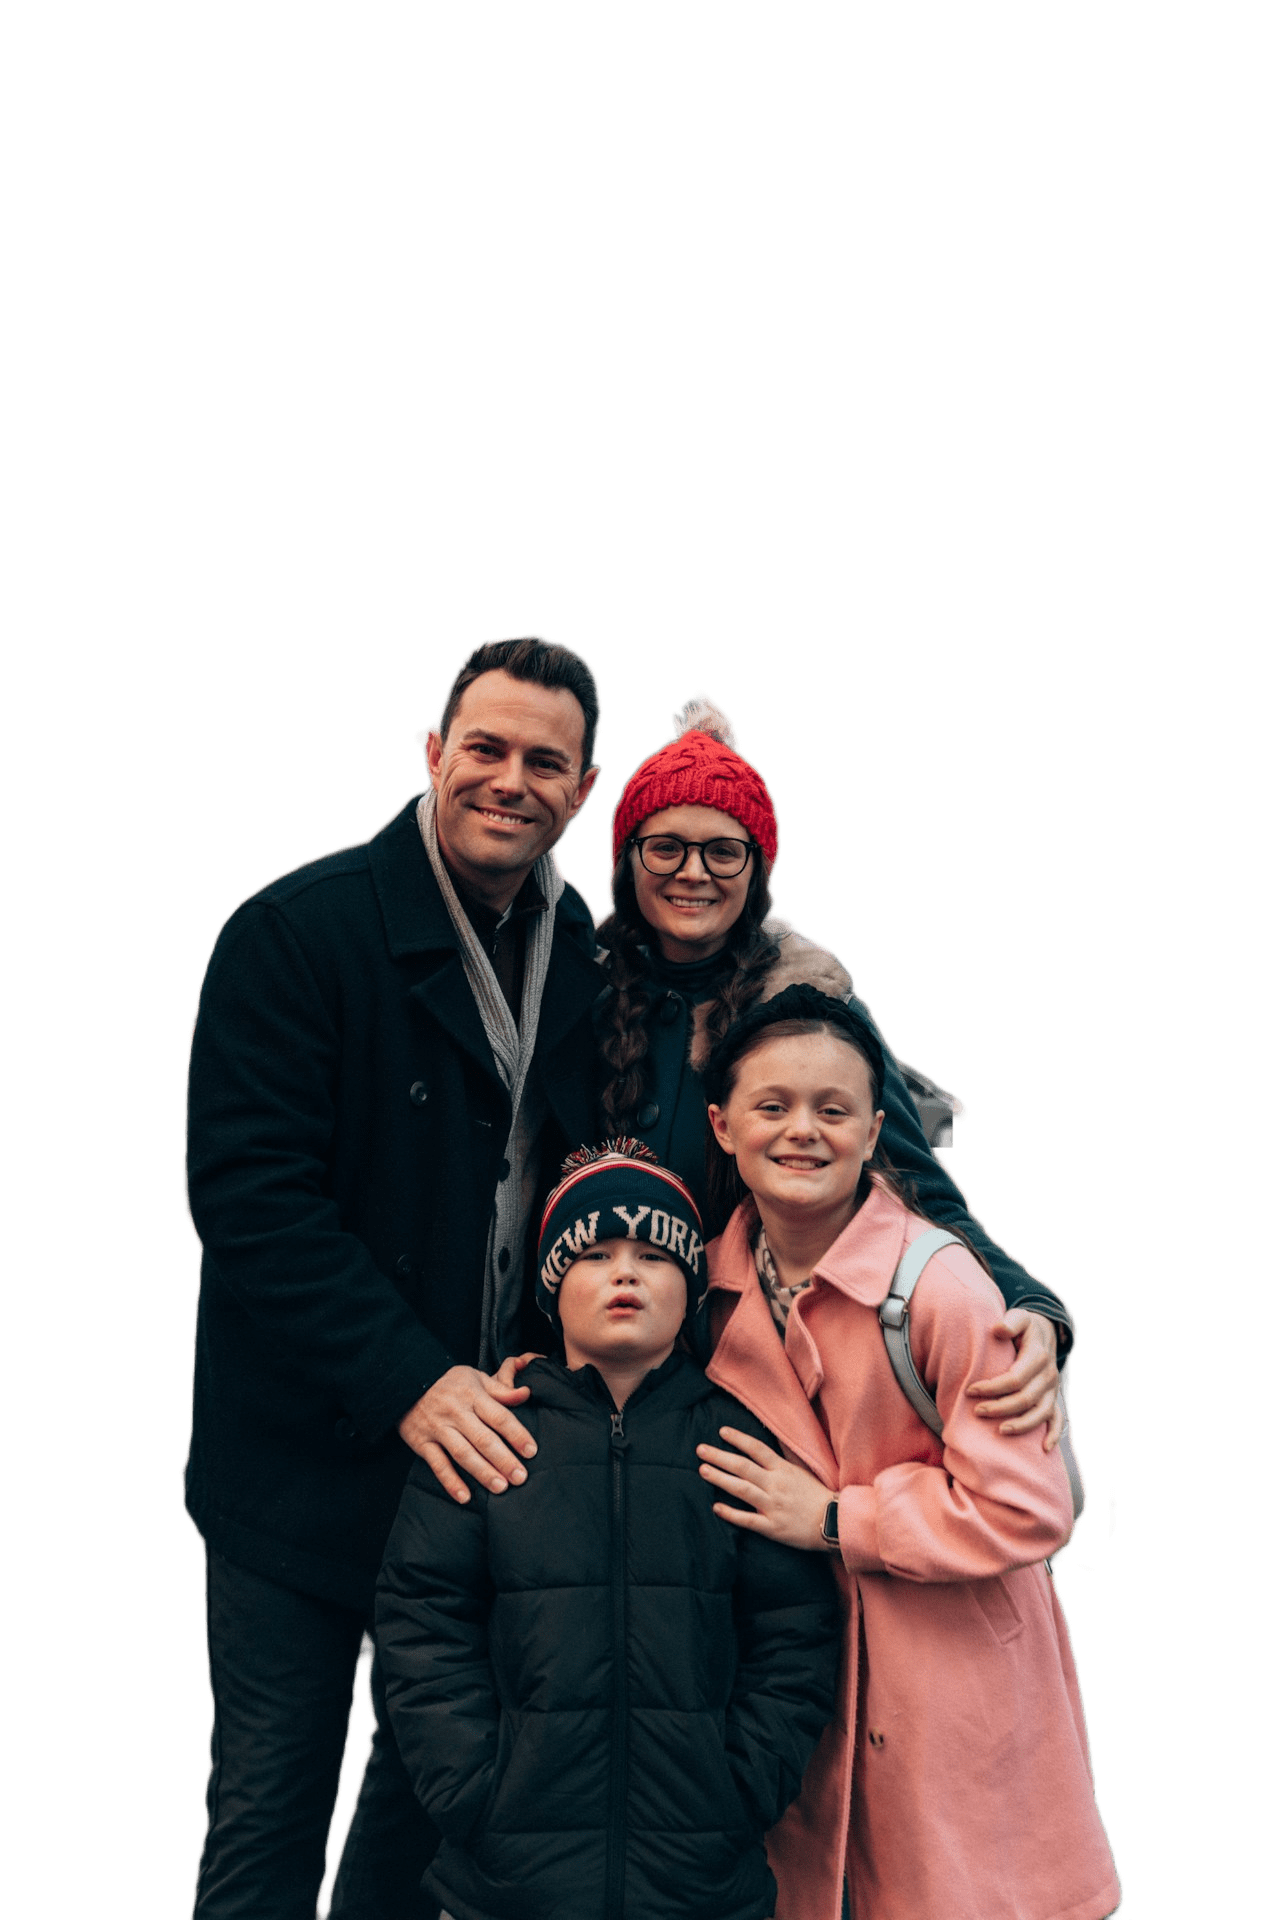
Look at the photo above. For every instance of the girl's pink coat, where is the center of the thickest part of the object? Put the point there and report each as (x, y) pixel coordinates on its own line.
(959, 1739)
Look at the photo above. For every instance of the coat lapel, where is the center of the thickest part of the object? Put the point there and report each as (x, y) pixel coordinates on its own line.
(444, 995)
(751, 1363)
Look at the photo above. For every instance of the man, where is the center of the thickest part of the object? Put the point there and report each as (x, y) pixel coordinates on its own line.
(392, 1054)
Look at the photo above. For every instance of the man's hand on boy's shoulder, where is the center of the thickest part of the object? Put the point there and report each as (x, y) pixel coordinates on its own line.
(464, 1420)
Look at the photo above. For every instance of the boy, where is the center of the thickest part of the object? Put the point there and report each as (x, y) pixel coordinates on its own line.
(604, 1694)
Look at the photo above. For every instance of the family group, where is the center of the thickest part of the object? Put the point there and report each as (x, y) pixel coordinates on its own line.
(551, 1275)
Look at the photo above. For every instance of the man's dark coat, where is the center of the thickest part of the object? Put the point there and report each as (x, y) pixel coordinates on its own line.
(347, 1128)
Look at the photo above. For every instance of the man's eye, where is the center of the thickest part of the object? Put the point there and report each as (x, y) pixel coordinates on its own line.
(544, 766)
(485, 749)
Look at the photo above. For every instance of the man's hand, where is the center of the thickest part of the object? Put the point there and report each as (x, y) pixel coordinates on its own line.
(784, 1500)
(463, 1421)
(1027, 1394)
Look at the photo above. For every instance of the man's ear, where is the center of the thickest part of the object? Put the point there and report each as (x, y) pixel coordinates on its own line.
(585, 785)
(435, 758)
(720, 1128)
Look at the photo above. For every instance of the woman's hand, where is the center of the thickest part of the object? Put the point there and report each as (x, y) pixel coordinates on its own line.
(1027, 1394)
(787, 1502)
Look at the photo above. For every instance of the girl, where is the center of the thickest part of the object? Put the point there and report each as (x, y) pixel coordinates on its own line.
(689, 946)
(954, 1782)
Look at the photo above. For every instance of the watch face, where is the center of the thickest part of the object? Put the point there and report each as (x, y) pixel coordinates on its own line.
(831, 1524)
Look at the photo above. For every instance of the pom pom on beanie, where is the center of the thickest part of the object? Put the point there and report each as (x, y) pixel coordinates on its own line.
(700, 769)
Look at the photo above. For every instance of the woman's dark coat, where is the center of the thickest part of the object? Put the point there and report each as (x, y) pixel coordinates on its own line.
(672, 1118)
(347, 1128)
(604, 1694)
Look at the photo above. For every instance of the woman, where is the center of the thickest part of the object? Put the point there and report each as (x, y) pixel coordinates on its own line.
(954, 1781)
(689, 946)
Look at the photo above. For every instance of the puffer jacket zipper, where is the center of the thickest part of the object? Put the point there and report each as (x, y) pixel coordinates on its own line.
(615, 1846)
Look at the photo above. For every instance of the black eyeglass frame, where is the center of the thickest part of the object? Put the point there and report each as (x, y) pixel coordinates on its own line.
(640, 841)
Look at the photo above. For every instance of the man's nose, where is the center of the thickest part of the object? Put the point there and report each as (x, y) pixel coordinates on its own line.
(508, 776)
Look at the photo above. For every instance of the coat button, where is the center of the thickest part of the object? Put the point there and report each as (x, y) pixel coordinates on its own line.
(669, 1009)
(504, 1260)
(418, 1093)
(404, 1265)
(875, 1736)
(649, 1114)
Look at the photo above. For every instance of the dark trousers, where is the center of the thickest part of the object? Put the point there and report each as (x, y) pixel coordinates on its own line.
(282, 1666)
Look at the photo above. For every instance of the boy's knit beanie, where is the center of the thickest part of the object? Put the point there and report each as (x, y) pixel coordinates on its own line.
(618, 1191)
(700, 769)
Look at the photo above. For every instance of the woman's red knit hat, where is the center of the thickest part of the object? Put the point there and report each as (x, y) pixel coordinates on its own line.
(700, 769)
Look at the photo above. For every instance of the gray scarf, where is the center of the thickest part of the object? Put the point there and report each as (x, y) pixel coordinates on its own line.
(512, 1053)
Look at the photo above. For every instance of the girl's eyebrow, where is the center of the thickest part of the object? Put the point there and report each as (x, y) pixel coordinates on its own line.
(789, 1093)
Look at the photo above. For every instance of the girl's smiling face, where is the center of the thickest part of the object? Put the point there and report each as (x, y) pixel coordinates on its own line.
(800, 1120)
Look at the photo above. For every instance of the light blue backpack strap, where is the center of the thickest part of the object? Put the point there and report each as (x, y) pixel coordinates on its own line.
(1071, 1464)
(895, 1319)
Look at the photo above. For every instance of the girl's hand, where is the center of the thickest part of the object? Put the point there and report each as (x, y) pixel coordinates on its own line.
(1027, 1395)
(787, 1502)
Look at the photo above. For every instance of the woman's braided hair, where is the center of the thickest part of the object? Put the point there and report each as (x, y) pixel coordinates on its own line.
(624, 937)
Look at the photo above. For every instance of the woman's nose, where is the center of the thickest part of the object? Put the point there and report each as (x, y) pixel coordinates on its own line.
(693, 854)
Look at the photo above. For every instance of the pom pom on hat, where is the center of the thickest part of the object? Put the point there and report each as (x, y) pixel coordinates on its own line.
(700, 769)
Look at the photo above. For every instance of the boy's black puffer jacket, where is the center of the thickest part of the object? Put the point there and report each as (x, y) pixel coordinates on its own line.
(604, 1694)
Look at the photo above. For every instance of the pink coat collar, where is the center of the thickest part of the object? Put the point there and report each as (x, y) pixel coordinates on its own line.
(754, 1365)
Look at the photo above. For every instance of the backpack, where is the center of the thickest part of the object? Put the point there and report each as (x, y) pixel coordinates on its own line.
(895, 1321)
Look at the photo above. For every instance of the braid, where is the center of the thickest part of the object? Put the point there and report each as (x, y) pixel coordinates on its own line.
(625, 1042)
(754, 952)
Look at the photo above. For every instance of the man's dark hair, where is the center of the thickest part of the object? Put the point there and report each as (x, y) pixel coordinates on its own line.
(546, 666)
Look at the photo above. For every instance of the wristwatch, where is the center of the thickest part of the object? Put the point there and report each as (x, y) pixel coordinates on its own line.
(831, 1526)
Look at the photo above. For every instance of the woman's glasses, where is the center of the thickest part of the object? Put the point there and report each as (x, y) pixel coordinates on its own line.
(665, 853)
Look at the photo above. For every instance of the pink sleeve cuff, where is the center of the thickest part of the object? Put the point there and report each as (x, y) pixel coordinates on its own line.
(859, 1548)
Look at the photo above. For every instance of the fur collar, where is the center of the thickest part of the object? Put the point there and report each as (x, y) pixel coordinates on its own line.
(798, 960)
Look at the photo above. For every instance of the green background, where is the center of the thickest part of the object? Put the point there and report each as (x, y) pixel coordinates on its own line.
(899, 375)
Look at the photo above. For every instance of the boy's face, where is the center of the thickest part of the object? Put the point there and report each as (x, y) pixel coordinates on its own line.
(621, 1303)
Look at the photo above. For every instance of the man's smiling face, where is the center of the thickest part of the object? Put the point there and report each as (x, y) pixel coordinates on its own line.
(508, 778)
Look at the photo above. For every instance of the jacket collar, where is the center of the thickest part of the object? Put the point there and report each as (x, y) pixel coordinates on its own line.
(863, 1260)
(751, 1362)
(416, 920)
(413, 913)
